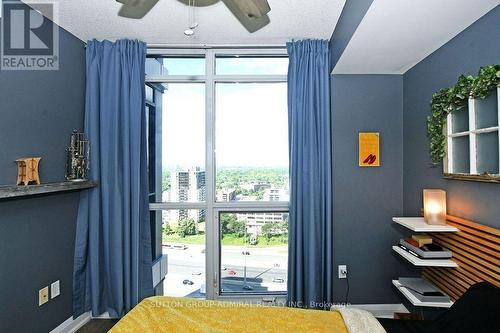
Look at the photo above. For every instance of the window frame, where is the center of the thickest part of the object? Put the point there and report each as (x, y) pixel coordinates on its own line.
(211, 206)
(472, 133)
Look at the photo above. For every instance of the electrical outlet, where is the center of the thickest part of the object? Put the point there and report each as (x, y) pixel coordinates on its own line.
(43, 296)
(55, 289)
(342, 271)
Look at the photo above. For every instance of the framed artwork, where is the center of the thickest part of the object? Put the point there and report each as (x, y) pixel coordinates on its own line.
(369, 149)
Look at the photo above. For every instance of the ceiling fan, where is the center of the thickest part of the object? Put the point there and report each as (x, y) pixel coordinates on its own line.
(251, 13)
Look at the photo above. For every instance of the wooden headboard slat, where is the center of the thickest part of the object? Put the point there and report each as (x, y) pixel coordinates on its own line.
(472, 231)
(480, 266)
(466, 250)
(443, 285)
(457, 287)
(483, 245)
(458, 276)
(475, 225)
(476, 250)
(475, 274)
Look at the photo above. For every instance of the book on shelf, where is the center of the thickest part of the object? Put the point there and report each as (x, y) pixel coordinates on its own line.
(427, 251)
(423, 290)
(422, 240)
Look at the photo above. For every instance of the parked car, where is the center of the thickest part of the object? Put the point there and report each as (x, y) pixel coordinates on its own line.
(188, 282)
(278, 280)
(231, 272)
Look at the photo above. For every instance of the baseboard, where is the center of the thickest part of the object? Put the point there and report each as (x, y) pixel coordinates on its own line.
(71, 325)
(382, 310)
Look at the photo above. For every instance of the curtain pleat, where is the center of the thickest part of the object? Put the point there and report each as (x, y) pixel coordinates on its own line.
(112, 263)
(310, 264)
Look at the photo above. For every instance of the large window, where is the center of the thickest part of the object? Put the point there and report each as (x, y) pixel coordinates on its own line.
(221, 165)
(473, 144)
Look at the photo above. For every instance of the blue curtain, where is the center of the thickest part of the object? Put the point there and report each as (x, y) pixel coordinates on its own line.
(112, 266)
(310, 263)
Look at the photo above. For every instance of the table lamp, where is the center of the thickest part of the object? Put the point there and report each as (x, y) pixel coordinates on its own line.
(435, 206)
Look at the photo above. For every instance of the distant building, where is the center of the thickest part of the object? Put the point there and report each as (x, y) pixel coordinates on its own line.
(255, 187)
(255, 221)
(188, 186)
(226, 195)
(275, 194)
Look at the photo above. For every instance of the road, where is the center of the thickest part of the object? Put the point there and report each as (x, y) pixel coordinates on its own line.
(264, 265)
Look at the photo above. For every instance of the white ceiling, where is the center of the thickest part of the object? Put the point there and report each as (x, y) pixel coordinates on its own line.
(166, 22)
(397, 34)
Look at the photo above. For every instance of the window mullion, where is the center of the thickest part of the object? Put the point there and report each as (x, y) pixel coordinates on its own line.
(449, 142)
(211, 230)
(472, 137)
(498, 124)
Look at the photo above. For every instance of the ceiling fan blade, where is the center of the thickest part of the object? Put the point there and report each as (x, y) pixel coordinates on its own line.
(251, 8)
(252, 14)
(136, 9)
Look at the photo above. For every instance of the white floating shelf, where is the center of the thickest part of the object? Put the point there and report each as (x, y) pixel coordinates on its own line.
(418, 224)
(415, 301)
(424, 262)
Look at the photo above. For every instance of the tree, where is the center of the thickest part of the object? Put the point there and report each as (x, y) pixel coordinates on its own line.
(167, 229)
(186, 227)
(225, 221)
(165, 180)
(268, 230)
(237, 228)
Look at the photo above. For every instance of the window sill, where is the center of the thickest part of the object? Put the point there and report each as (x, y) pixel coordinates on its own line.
(486, 178)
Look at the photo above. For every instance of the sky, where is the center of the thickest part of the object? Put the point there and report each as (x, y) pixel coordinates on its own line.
(251, 121)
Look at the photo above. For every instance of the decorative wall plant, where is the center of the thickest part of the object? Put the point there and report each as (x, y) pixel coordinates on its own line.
(454, 99)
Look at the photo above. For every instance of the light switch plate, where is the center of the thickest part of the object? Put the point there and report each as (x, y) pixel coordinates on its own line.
(43, 296)
(55, 289)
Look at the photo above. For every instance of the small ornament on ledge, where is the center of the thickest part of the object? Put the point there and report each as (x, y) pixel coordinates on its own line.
(27, 170)
(77, 160)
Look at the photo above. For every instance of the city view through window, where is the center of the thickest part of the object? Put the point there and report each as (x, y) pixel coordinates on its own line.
(251, 165)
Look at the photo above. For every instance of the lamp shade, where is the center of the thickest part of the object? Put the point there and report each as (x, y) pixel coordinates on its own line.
(435, 206)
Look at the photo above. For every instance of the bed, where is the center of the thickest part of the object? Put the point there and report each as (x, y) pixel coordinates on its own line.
(477, 311)
(167, 314)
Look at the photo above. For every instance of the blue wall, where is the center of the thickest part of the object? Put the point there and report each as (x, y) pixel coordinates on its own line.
(38, 111)
(349, 20)
(366, 199)
(478, 45)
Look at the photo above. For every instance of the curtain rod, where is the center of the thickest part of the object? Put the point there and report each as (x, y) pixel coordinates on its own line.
(212, 46)
(215, 46)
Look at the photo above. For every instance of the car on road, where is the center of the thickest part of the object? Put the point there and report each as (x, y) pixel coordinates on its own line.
(278, 280)
(196, 273)
(231, 272)
(188, 282)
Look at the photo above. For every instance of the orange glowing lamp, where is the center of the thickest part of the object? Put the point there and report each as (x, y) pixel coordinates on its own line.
(435, 206)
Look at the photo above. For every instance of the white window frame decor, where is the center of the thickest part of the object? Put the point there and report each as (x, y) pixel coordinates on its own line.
(211, 206)
(472, 133)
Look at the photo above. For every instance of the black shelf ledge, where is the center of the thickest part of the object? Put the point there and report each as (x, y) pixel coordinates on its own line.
(14, 191)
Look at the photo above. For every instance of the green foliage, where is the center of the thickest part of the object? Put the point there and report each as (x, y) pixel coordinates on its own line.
(454, 99)
(233, 177)
(186, 227)
(167, 229)
(268, 230)
(166, 180)
(231, 226)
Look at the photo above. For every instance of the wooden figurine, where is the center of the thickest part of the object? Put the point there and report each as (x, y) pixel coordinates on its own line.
(27, 170)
